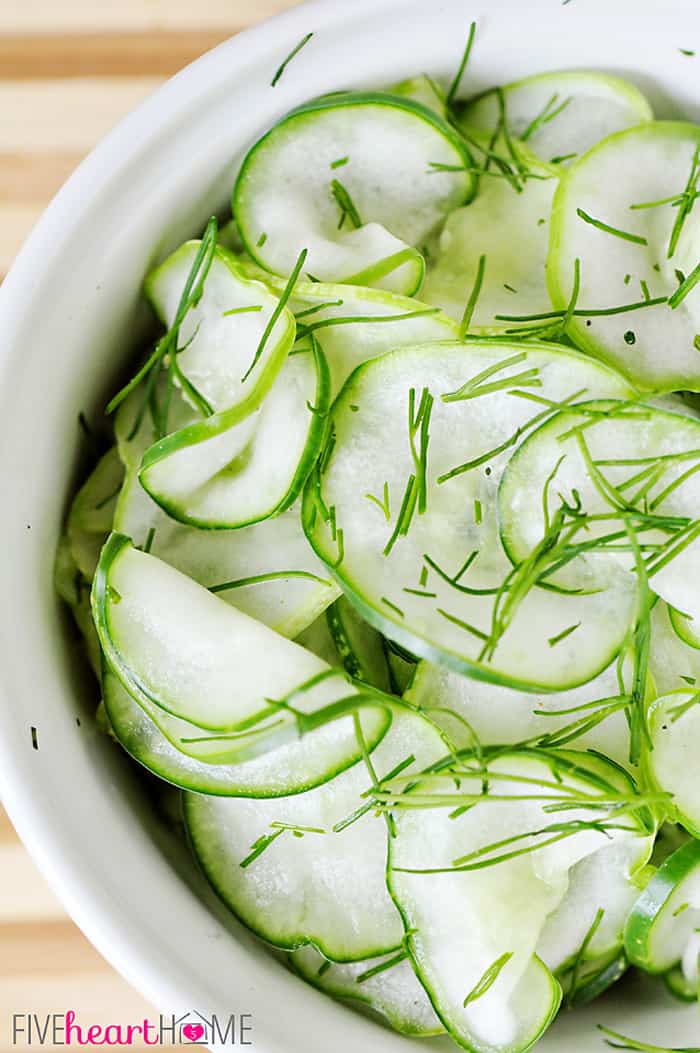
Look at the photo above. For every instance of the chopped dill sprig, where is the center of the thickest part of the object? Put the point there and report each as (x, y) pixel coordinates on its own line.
(261, 240)
(561, 158)
(476, 386)
(358, 319)
(623, 1042)
(292, 54)
(242, 310)
(473, 297)
(581, 955)
(259, 579)
(265, 840)
(478, 512)
(584, 312)
(554, 640)
(318, 307)
(190, 296)
(346, 205)
(382, 967)
(549, 111)
(340, 163)
(279, 308)
(687, 199)
(393, 607)
(150, 538)
(638, 239)
(406, 510)
(687, 51)
(686, 286)
(488, 979)
(457, 79)
(419, 424)
(383, 504)
(679, 711)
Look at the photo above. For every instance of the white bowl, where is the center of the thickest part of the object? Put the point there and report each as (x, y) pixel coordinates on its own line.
(69, 312)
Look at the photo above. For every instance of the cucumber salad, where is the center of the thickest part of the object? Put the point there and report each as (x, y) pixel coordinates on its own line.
(391, 566)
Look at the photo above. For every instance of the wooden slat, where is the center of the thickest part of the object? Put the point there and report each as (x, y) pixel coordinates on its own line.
(61, 116)
(16, 221)
(37, 56)
(42, 16)
(25, 894)
(26, 178)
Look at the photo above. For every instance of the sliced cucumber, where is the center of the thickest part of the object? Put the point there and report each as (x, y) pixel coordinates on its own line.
(666, 917)
(272, 572)
(359, 645)
(227, 356)
(176, 646)
(290, 768)
(503, 236)
(254, 469)
(683, 626)
(674, 722)
(327, 887)
(476, 887)
(561, 115)
(673, 665)
(470, 709)
(317, 639)
(593, 979)
(654, 345)
(389, 564)
(680, 986)
(393, 992)
(74, 590)
(354, 160)
(92, 512)
(599, 469)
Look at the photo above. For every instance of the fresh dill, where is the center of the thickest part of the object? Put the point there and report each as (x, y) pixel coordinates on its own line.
(276, 314)
(253, 309)
(260, 579)
(638, 239)
(382, 967)
(473, 297)
(292, 54)
(554, 640)
(618, 1041)
(340, 163)
(475, 387)
(488, 979)
(549, 111)
(457, 79)
(348, 209)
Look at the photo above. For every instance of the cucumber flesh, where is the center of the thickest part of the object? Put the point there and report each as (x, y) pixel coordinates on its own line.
(674, 722)
(654, 345)
(253, 469)
(274, 574)
(662, 927)
(174, 644)
(509, 229)
(674, 666)
(325, 888)
(370, 454)
(395, 992)
(218, 347)
(287, 195)
(92, 512)
(555, 453)
(462, 923)
(294, 767)
(359, 645)
(582, 108)
(683, 625)
(468, 708)
(679, 986)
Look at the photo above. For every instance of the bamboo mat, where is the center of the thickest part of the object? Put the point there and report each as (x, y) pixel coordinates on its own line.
(69, 70)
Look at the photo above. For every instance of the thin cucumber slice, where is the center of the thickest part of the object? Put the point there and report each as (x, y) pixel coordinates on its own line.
(653, 345)
(393, 992)
(317, 639)
(674, 724)
(593, 980)
(679, 986)
(225, 350)
(270, 569)
(352, 179)
(291, 768)
(177, 646)
(475, 902)
(415, 576)
(424, 90)
(472, 710)
(328, 886)
(254, 469)
(401, 669)
(359, 645)
(92, 512)
(599, 469)
(561, 115)
(674, 666)
(498, 244)
(683, 626)
(665, 918)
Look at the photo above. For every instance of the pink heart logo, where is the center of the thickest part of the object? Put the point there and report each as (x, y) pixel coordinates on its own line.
(193, 1032)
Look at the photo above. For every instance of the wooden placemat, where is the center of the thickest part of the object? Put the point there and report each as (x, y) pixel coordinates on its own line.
(69, 70)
